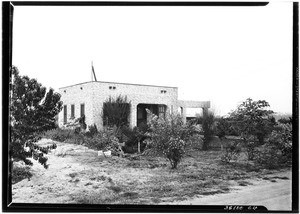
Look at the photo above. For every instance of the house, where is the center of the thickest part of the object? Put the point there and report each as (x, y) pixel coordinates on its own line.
(87, 99)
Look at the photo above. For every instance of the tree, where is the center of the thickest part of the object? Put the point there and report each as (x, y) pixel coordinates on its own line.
(254, 122)
(32, 111)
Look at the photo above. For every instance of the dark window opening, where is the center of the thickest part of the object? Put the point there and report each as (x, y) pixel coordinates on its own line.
(65, 114)
(72, 111)
(81, 110)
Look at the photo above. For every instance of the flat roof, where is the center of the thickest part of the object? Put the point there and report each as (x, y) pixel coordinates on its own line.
(118, 83)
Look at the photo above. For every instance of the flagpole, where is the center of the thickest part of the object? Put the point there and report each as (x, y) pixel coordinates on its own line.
(93, 73)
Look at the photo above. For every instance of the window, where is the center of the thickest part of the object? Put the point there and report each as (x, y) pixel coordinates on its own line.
(65, 114)
(72, 111)
(161, 111)
(81, 110)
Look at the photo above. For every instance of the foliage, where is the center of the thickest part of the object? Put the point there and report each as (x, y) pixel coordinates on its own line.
(223, 127)
(133, 136)
(116, 112)
(168, 136)
(253, 122)
(92, 130)
(58, 134)
(286, 120)
(32, 111)
(207, 121)
(278, 149)
(231, 152)
(20, 173)
(252, 118)
(104, 140)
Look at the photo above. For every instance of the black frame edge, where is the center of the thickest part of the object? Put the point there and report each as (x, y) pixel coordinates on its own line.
(135, 3)
(295, 176)
(7, 23)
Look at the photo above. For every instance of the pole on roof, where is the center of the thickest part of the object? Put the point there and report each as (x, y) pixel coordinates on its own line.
(93, 73)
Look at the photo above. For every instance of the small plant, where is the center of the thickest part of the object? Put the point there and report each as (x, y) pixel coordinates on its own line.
(232, 152)
(168, 137)
(277, 151)
(92, 130)
(20, 173)
(174, 151)
(58, 134)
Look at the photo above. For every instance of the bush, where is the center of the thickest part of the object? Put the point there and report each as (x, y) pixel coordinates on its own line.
(132, 137)
(92, 130)
(20, 173)
(207, 122)
(168, 137)
(116, 112)
(174, 151)
(104, 140)
(277, 151)
(59, 134)
(232, 152)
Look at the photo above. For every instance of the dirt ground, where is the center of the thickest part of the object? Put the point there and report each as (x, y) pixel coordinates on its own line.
(77, 175)
(274, 194)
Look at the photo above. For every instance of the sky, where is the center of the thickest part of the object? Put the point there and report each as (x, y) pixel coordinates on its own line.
(220, 54)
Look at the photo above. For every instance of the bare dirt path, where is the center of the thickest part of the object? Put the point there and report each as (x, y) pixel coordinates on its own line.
(273, 193)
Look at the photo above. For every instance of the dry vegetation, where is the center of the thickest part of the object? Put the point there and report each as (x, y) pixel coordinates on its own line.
(77, 175)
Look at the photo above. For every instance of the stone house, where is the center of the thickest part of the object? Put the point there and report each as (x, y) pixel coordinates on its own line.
(87, 99)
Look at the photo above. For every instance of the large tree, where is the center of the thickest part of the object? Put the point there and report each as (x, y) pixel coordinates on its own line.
(32, 111)
(253, 121)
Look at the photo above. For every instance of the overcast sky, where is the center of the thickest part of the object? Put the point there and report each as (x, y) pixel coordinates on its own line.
(221, 54)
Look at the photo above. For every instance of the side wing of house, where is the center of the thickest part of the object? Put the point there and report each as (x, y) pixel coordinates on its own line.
(184, 104)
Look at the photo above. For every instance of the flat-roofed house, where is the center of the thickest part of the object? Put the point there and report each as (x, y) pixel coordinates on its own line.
(88, 98)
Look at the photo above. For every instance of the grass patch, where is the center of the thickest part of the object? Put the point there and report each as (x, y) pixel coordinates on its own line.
(20, 173)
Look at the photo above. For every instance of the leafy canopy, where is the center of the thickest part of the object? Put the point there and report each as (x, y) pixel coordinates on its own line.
(253, 119)
(32, 111)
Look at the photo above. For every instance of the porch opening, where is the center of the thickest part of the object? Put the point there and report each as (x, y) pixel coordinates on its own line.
(157, 109)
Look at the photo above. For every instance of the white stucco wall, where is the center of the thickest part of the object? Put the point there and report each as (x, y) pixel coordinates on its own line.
(93, 94)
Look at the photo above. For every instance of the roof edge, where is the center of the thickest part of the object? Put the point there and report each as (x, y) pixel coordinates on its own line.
(117, 83)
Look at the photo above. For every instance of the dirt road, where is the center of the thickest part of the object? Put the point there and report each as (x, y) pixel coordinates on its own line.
(273, 193)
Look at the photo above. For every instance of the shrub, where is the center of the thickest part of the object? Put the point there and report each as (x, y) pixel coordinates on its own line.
(104, 140)
(20, 173)
(168, 137)
(93, 130)
(58, 134)
(116, 111)
(132, 137)
(207, 122)
(174, 151)
(231, 152)
(277, 151)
